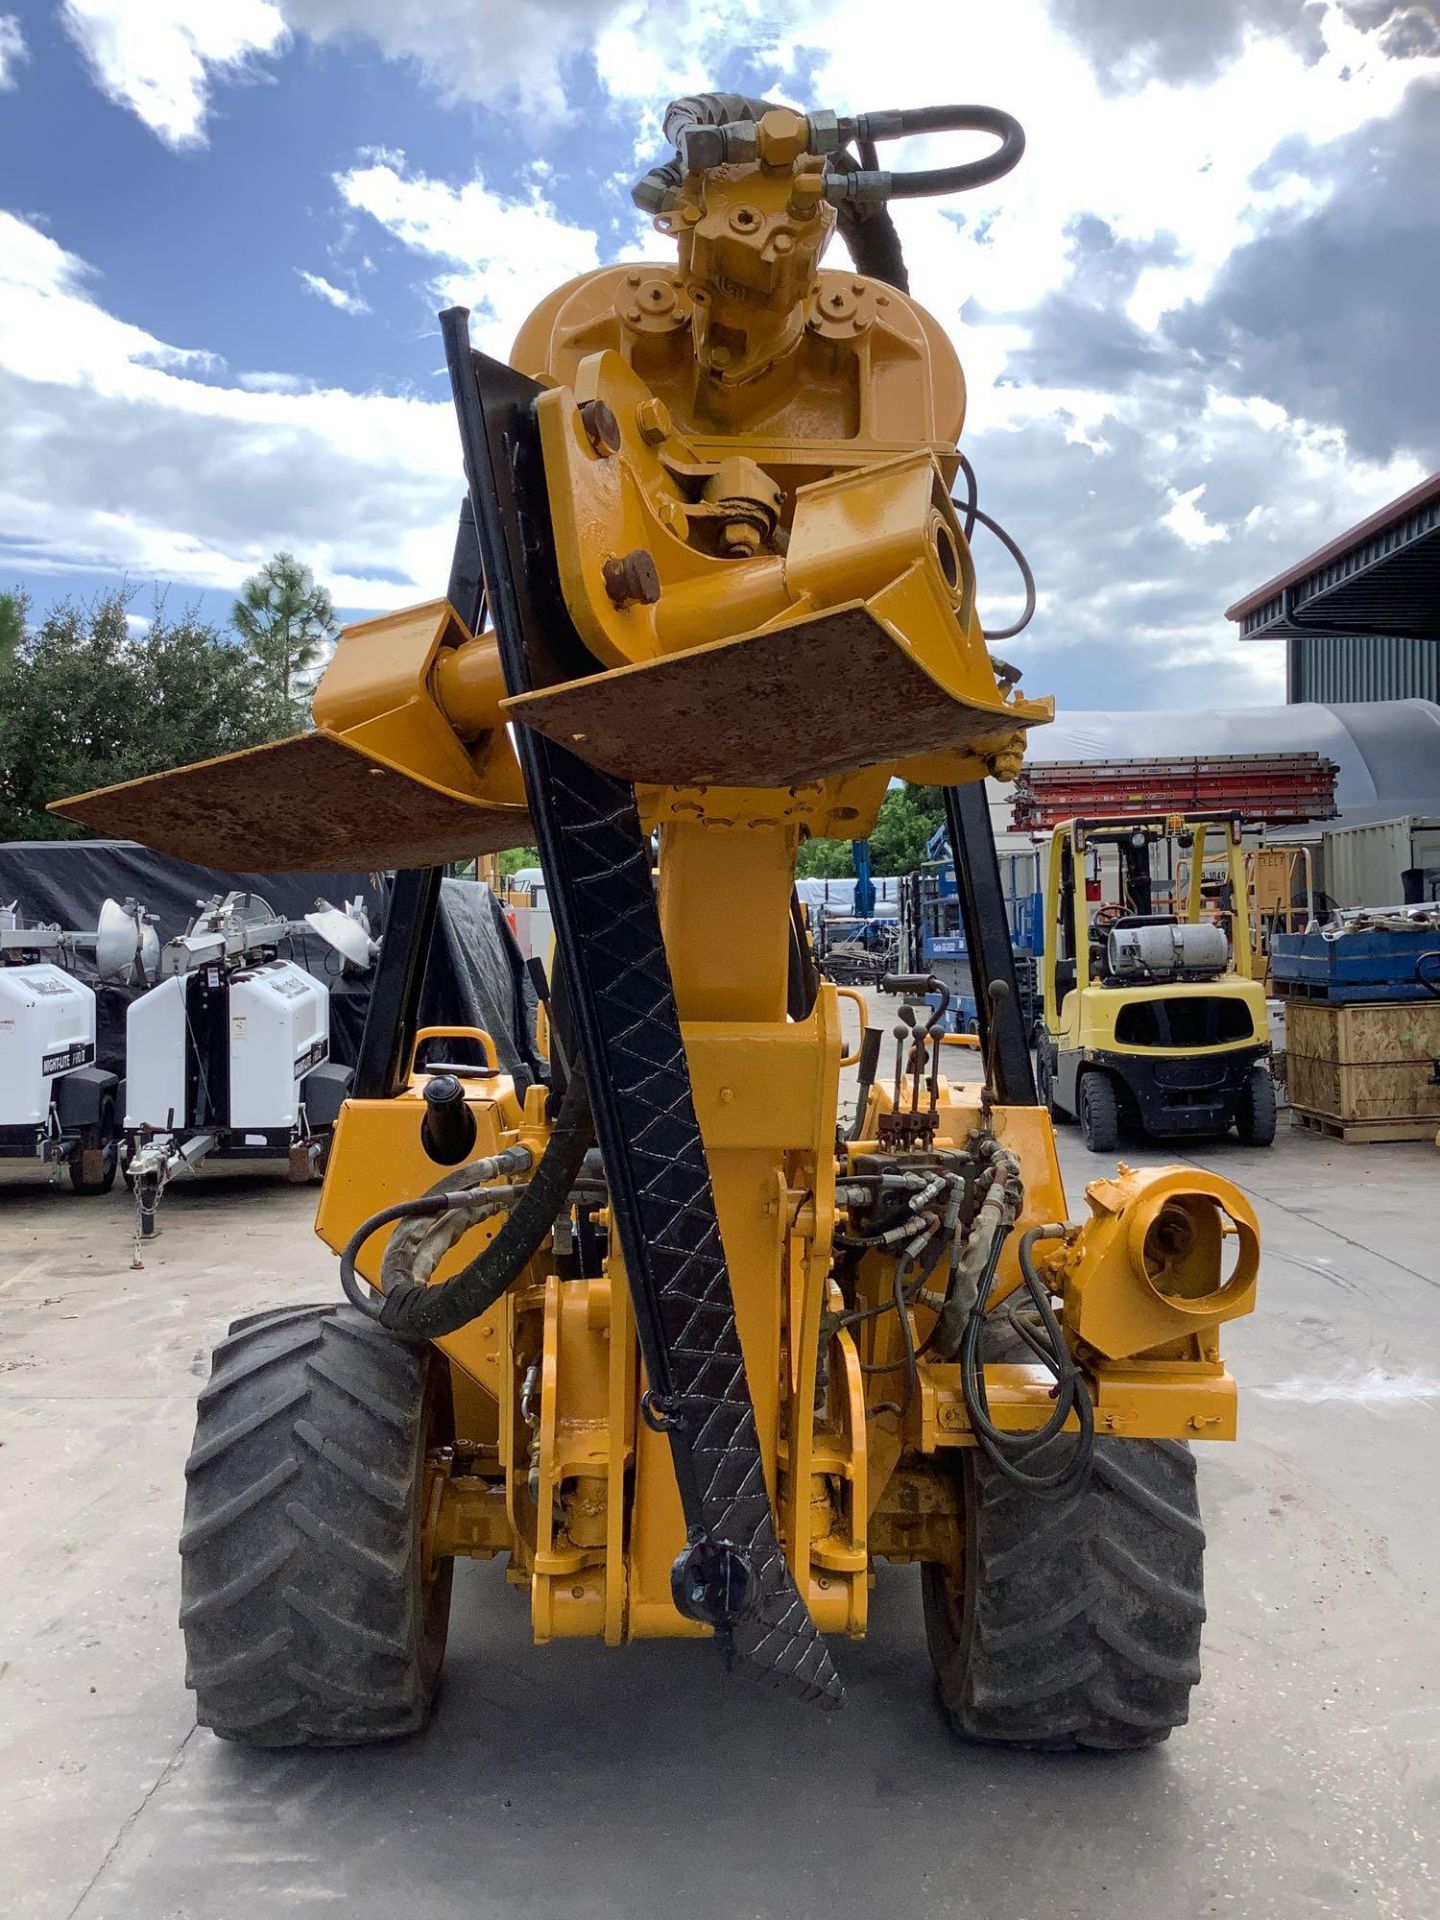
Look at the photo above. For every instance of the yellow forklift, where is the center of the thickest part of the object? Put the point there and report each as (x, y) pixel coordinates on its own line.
(1153, 1020)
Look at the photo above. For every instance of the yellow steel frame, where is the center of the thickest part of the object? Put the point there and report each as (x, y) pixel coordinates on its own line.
(748, 449)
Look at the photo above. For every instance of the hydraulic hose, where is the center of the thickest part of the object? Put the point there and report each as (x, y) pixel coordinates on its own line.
(427, 1312)
(657, 190)
(1008, 1451)
(869, 233)
(865, 184)
(415, 1310)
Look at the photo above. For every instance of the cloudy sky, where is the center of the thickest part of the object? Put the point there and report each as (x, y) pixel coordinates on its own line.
(1198, 323)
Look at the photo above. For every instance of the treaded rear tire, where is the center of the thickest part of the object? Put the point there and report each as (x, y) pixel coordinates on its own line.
(1073, 1624)
(1099, 1111)
(1256, 1108)
(306, 1614)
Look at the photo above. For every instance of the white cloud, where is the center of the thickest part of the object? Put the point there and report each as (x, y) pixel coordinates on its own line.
(501, 254)
(479, 50)
(114, 459)
(1146, 504)
(334, 296)
(262, 381)
(13, 51)
(1186, 520)
(159, 57)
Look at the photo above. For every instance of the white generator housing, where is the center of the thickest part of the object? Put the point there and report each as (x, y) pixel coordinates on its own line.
(47, 1028)
(279, 1030)
(155, 1057)
(277, 1027)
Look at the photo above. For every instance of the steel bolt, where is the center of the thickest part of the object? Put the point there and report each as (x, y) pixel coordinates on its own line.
(632, 577)
(652, 417)
(602, 429)
(739, 540)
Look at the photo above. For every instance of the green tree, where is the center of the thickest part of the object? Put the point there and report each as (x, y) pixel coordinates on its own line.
(14, 612)
(86, 703)
(898, 844)
(287, 622)
(824, 860)
(908, 817)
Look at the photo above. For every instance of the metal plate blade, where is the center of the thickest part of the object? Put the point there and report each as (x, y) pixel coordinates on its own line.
(307, 802)
(725, 713)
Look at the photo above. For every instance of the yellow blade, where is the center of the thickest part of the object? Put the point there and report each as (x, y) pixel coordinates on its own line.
(311, 801)
(767, 710)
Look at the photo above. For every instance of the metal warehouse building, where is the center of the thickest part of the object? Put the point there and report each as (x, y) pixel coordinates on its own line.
(1361, 618)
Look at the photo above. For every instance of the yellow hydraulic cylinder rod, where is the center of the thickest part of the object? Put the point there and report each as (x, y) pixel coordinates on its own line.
(469, 686)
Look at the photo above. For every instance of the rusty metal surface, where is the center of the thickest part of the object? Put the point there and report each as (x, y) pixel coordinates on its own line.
(309, 801)
(768, 710)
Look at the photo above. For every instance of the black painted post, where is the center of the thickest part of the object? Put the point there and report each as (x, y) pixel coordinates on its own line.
(987, 940)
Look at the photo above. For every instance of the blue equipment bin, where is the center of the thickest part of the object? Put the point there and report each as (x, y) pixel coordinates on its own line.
(1375, 965)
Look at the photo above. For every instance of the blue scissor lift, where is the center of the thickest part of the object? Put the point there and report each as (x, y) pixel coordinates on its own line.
(932, 932)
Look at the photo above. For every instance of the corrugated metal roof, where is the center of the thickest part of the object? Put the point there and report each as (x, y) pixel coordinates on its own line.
(1382, 577)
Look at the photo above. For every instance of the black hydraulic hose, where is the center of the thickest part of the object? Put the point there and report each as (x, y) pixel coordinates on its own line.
(426, 1312)
(475, 1287)
(869, 233)
(657, 190)
(802, 983)
(970, 512)
(1011, 1451)
(711, 110)
(867, 128)
(869, 1062)
(364, 1298)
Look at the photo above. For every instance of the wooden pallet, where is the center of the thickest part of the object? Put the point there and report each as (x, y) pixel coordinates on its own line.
(1355, 1130)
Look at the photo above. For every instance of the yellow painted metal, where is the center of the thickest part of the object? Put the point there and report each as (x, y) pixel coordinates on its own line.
(1085, 1015)
(409, 746)
(846, 393)
(775, 441)
(851, 1057)
(882, 539)
(1155, 1263)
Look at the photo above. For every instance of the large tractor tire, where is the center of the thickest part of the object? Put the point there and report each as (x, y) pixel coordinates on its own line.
(311, 1618)
(1073, 1623)
(1255, 1110)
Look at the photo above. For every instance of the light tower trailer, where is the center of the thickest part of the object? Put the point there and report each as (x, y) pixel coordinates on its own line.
(228, 1055)
(56, 1105)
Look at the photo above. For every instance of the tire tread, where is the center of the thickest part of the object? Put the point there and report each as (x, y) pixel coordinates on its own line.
(301, 1603)
(1082, 1630)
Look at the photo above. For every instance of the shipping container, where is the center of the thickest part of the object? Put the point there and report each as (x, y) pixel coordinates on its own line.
(1383, 864)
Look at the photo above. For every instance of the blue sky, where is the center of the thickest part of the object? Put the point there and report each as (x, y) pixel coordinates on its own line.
(1188, 320)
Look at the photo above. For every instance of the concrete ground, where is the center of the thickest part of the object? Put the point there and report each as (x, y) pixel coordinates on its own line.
(579, 1782)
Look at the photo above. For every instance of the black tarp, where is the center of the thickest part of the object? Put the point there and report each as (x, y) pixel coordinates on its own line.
(475, 975)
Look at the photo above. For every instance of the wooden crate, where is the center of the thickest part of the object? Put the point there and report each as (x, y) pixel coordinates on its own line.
(1368, 1066)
